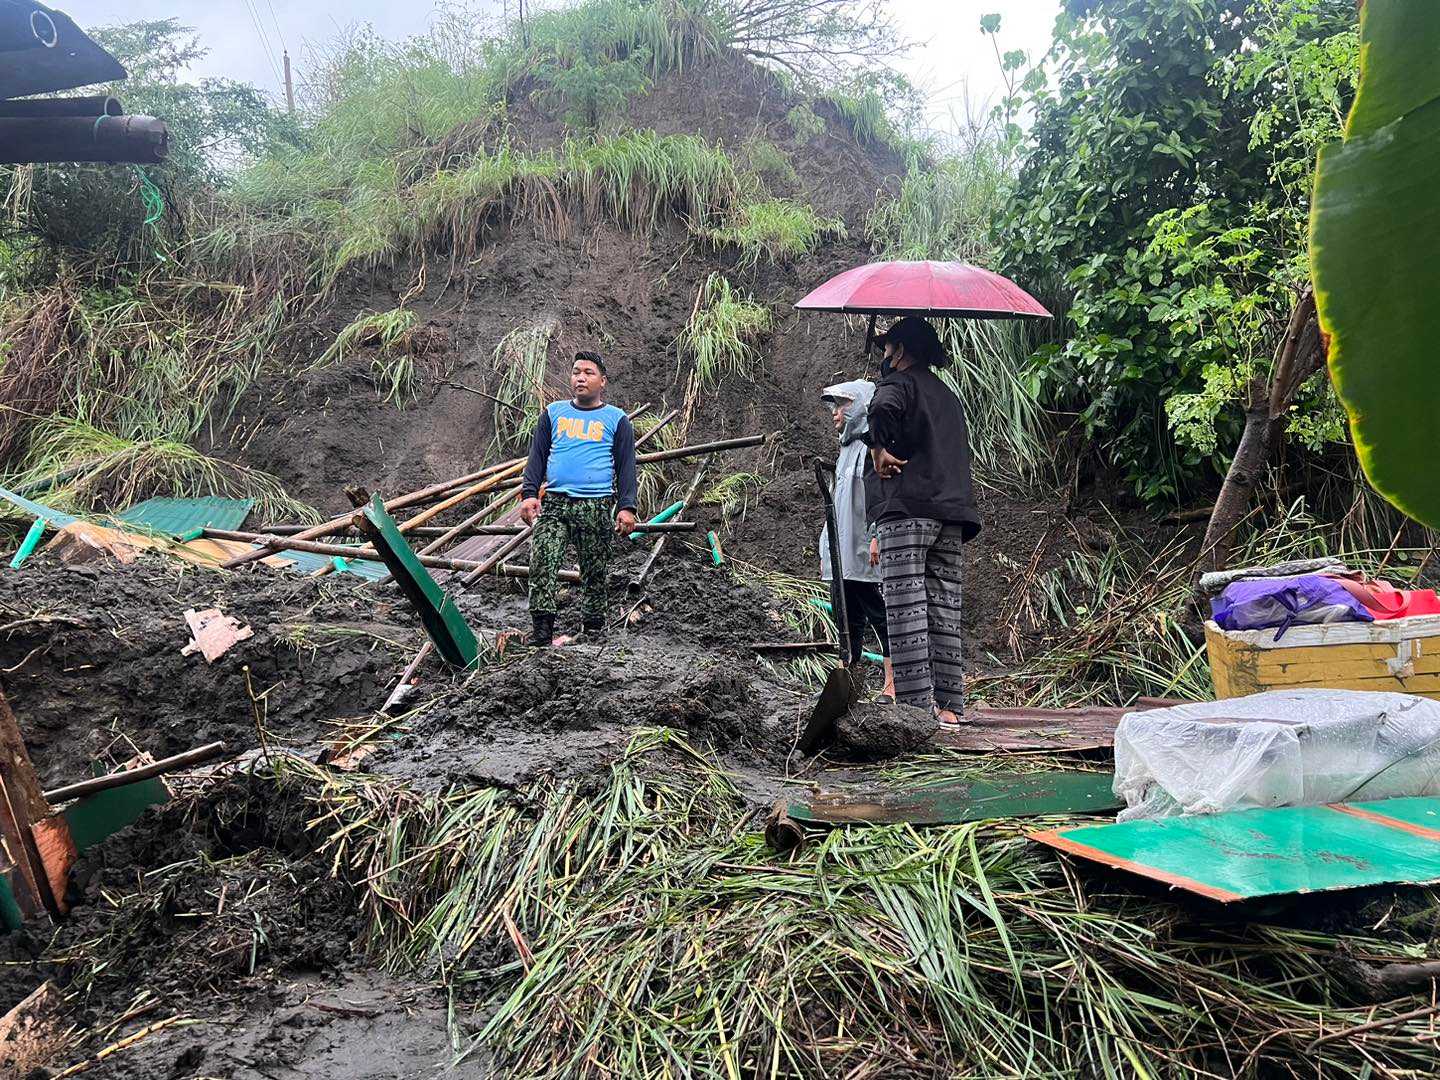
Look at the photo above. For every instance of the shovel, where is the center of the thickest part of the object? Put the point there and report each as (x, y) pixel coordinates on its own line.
(843, 685)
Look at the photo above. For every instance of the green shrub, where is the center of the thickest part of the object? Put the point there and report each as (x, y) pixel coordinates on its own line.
(720, 336)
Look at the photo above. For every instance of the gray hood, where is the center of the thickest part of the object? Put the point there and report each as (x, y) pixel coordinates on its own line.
(858, 392)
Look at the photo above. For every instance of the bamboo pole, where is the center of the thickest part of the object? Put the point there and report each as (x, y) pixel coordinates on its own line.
(132, 776)
(400, 502)
(436, 530)
(638, 582)
(346, 551)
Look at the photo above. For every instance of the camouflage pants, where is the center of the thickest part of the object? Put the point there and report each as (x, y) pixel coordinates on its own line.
(589, 524)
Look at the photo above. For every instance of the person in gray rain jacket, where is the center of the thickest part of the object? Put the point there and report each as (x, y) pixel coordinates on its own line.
(859, 548)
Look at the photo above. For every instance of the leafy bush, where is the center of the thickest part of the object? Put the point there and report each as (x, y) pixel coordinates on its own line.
(1151, 182)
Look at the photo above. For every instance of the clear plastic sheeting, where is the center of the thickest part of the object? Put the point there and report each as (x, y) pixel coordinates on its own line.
(1280, 748)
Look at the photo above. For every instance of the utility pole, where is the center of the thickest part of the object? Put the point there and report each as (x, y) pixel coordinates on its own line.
(289, 86)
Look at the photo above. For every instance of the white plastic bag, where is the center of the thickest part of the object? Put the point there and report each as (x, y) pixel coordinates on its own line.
(1279, 748)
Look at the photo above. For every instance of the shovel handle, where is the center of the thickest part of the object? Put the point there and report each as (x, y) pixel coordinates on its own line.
(837, 571)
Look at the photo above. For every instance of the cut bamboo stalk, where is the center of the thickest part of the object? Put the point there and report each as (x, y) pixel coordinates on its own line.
(638, 582)
(175, 763)
(334, 525)
(346, 551)
(434, 530)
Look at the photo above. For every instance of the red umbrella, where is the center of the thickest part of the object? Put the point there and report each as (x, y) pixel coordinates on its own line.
(931, 289)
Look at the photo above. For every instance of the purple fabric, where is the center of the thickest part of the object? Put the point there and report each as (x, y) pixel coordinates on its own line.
(1260, 603)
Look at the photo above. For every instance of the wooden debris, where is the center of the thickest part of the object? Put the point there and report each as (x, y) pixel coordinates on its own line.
(213, 632)
(174, 763)
(30, 1034)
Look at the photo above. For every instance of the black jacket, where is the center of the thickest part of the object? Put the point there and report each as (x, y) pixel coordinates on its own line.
(919, 419)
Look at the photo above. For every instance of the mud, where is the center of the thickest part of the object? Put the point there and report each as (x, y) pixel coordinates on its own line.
(873, 731)
(217, 913)
(94, 670)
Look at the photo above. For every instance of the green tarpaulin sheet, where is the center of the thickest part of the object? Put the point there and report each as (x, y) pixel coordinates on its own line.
(1285, 850)
(177, 517)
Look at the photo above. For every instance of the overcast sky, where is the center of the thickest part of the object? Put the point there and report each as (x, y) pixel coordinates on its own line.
(245, 37)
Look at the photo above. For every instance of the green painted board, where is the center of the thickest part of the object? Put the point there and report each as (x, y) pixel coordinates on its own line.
(1272, 852)
(447, 628)
(176, 517)
(40, 510)
(93, 818)
(1025, 795)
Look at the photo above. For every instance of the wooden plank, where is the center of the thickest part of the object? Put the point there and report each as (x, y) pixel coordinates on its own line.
(21, 804)
(984, 729)
(31, 1035)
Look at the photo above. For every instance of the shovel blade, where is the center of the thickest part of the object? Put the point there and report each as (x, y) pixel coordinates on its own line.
(842, 689)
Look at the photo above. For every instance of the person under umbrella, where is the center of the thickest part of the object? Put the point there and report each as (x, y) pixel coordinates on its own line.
(923, 507)
(859, 549)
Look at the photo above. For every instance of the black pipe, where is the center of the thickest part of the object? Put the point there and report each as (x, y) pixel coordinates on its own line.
(101, 105)
(143, 140)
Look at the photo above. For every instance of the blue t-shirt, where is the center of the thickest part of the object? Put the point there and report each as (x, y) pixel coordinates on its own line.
(583, 453)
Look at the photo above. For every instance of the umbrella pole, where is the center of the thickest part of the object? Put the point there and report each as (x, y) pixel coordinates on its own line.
(869, 337)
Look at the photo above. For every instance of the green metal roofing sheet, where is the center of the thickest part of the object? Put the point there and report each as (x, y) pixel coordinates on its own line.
(176, 517)
(40, 510)
(1290, 849)
(308, 562)
(453, 638)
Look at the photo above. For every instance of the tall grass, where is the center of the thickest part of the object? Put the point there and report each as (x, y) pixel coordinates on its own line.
(521, 361)
(643, 929)
(115, 471)
(776, 230)
(721, 334)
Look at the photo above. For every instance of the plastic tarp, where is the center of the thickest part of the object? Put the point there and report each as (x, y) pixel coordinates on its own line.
(1300, 747)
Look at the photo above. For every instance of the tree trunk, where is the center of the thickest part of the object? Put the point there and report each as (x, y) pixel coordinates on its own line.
(1300, 354)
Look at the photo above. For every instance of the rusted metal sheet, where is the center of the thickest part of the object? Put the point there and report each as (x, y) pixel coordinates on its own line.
(480, 548)
(1055, 791)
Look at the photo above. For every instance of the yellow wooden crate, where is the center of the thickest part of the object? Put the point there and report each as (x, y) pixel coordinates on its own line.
(1399, 654)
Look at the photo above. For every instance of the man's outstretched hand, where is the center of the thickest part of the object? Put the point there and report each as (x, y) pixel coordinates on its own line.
(529, 511)
(624, 521)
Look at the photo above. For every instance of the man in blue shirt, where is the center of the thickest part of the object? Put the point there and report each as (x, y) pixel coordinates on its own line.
(583, 453)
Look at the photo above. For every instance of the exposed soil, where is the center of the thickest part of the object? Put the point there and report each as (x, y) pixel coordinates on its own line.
(212, 919)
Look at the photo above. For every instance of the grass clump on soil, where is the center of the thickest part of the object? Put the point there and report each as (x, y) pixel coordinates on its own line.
(105, 471)
(521, 359)
(777, 230)
(392, 335)
(643, 928)
(721, 332)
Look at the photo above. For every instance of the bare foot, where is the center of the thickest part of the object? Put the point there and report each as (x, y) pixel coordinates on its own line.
(947, 717)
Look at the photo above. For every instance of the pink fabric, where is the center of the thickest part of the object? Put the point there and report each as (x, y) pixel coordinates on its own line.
(1384, 601)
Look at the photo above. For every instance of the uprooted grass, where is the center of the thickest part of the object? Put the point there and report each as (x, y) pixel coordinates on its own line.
(104, 471)
(645, 930)
(721, 334)
(521, 361)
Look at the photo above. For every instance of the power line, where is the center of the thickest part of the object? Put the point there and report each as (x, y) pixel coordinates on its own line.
(264, 41)
(278, 32)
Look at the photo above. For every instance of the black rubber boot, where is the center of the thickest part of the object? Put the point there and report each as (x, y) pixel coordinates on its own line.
(594, 628)
(544, 629)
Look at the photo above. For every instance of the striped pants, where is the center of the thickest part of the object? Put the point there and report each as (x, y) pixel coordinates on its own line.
(920, 561)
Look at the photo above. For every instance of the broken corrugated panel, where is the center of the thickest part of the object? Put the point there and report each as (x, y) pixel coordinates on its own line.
(1271, 852)
(309, 562)
(40, 510)
(453, 638)
(479, 548)
(1090, 728)
(177, 517)
(1023, 795)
